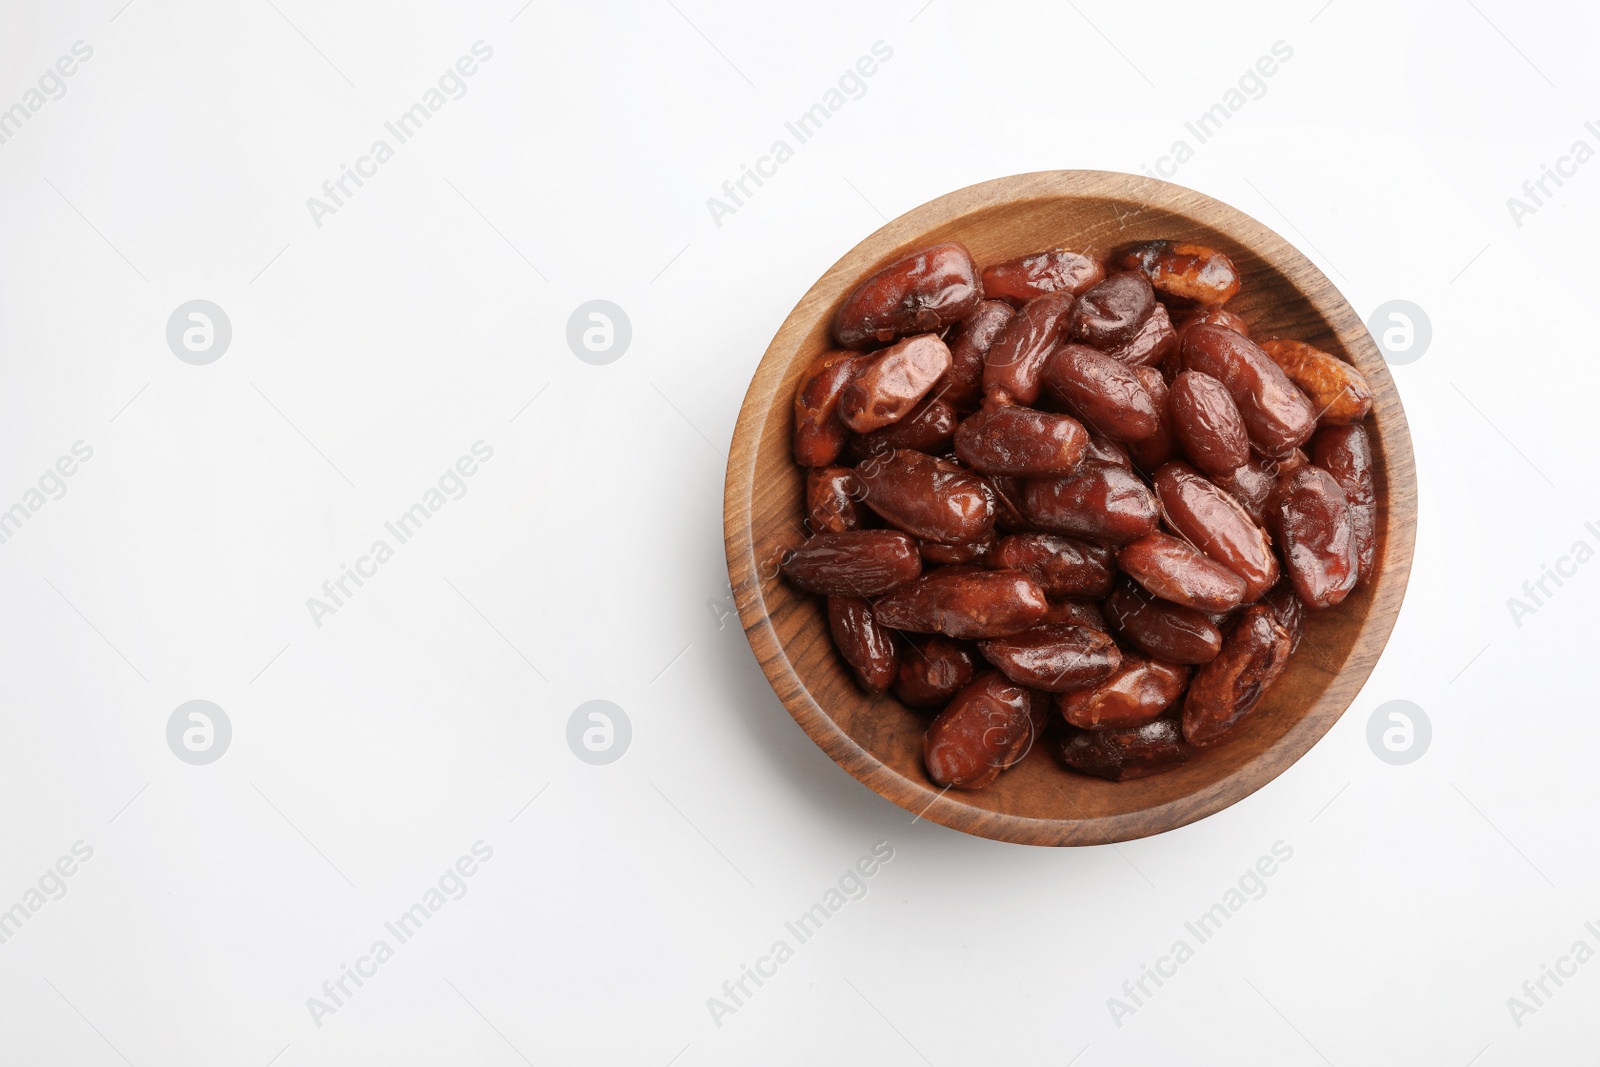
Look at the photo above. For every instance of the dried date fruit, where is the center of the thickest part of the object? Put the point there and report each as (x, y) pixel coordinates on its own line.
(1062, 566)
(1189, 273)
(929, 498)
(1103, 449)
(970, 341)
(1207, 423)
(1155, 341)
(1288, 611)
(1218, 525)
(1002, 438)
(1162, 630)
(980, 552)
(1139, 691)
(1012, 368)
(891, 382)
(1228, 688)
(865, 645)
(1110, 314)
(1108, 394)
(929, 427)
(989, 726)
(1337, 390)
(819, 433)
(1345, 452)
(1276, 414)
(1075, 612)
(831, 495)
(1121, 755)
(1099, 502)
(965, 604)
(1151, 452)
(1054, 658)
(1007, 493)
(1177, 571)
(1319, 548)
(1058, 271)
(933, 669)
(1211, 316)
(854, 563)
(927, 290)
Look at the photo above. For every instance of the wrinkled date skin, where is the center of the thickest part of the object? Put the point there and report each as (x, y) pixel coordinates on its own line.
(929, 427)
(1345, 452)
(866, 646)
(1228, 688)
(965, 604)
(1177, 571)
(1255, 484)
(1121, 755)
(1319, 549)
(933, 669)
(1155, 341)
(1288, 611)
(855, 563)
(1139, 691)
(1190, 274)
(1276, 414)
(1213, 317)
(978, 552)
(1060, 271)
(1151, 452)
(1218, 525)
(1002, 438)
(1337, 390)
(892, 382)
(831, 495)
(1015, 362)
(927, 290)
(988, 727)
(1062, 566)
(1207, 423)
(1108, 394)
(1054, 658)
(970, 341)
(1110, 315)
(1162, 630)
(927, 497)
(1008, 493)
(1099, 502)
(819, 433)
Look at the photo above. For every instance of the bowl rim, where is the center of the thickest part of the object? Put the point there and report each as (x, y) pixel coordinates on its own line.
(901, 234)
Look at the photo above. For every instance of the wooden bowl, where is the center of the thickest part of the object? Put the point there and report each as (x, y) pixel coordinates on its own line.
(1037, 802)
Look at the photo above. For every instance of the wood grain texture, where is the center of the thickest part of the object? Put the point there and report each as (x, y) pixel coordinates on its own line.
(878, 740)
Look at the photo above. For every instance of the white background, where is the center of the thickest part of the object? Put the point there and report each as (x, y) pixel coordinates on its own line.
(585, 561)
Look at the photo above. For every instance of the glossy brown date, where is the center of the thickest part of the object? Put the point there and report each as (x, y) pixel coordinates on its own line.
(1058, 271)
(929, 427)
(979, 552)
(1276, 414)
(1207, 423)
(1122, 755)
(1110, 314)
(927, 290)
(1099, 502)
(865, 645)
(1337, 390)
(1218, 525)
(1287, 611)
(1054, 658)
(1108, 394)
(1152, 451)
(1177, 571)
(1345, 452)
(1211, 316)
(1076, 612)
(819, 433)
(989, 726)
(860, 563)
(1155, 341)
(933, 669)
(970, 341)
(1140, 690)
(1188, 273)
(1162, 630)
(965, 604)
(926, 497)
(1012, 368)
(1062, 566)
(1228, 688)
(1319, 546)
(890, 383)
(831, 495)
(1002, 438)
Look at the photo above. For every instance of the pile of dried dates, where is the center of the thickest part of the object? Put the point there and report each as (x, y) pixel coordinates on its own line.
(1075, 482)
